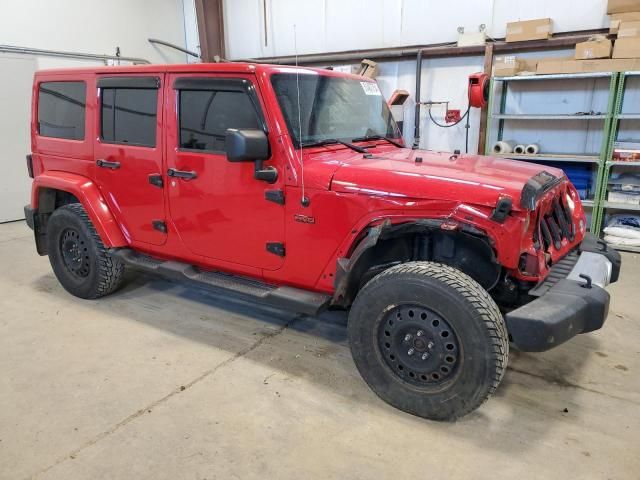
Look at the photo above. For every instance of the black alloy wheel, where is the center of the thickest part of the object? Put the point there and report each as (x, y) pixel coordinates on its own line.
(418, 345)
(75, 252)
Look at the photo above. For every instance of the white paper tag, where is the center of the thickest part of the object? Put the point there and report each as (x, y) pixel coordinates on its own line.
(370, 88)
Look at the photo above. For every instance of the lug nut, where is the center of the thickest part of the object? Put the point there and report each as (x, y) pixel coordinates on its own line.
(430, 345)
(425, 356)
(407, 337)
(410, 351)
(420, 333)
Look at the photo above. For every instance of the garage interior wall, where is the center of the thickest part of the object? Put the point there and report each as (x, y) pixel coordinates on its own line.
(87, 26)
(264, 28)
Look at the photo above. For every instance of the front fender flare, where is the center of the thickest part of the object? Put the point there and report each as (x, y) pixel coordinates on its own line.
(462, 248)
(87, 192)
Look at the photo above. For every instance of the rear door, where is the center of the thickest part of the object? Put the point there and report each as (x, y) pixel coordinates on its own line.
(129, 154)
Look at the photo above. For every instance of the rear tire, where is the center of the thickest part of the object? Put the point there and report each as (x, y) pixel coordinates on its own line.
(78, 257)
(428, 340)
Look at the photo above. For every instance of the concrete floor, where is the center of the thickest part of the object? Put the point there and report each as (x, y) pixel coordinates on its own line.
(159, 381)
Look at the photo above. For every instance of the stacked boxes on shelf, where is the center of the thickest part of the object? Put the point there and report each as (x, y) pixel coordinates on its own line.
(625, 23)
(599, 53)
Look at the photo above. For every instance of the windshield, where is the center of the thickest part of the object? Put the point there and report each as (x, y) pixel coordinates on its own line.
(332, 108)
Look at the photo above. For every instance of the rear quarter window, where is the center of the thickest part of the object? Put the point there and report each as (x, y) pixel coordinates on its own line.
(61, 109)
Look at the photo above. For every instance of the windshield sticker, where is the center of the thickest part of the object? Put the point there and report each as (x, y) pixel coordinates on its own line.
(370, 88)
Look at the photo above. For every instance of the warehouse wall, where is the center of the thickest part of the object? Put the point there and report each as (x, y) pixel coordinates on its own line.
(339, 25)
(94, 26)
(336, 25)
(88, 26)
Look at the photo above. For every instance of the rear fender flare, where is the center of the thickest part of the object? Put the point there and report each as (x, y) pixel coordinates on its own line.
(88, 194)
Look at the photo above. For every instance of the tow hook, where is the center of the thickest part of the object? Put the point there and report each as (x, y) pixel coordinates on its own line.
(587, 278)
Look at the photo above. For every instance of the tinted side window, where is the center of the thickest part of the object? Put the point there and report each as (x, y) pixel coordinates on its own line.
(61, 107)
(129, 116)
(205, 116)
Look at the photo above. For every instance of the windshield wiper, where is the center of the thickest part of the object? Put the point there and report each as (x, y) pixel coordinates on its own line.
(377, 137)
(333, 141)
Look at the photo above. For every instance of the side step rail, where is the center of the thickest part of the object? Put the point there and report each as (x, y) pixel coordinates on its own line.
(288, 298)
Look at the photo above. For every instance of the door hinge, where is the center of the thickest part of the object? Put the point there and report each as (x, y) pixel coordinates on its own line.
(276, 196)
(159, 225)
(156, 180)
(276, 248)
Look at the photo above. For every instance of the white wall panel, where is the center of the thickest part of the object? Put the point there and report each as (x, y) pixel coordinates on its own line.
(192, 42)
(244, 29)
(96, 26)
(15, 93)
(365, 32)
(337, 25)
(87, 26)
(426, 22)
(309, 17)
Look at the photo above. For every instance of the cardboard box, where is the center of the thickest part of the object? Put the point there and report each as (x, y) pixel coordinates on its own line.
(528, 66)
(629, 29)
(627, 48)
(597, 48)
(626, 17)
(550, 66)
(614, 26)
(506, 66)
(622, 6)
(546, 67)
(539, 29)
(368, 68)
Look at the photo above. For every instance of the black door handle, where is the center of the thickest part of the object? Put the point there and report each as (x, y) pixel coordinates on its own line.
(172, 172)
(105, 164)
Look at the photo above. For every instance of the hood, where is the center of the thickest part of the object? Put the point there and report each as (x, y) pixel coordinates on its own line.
(422, 174)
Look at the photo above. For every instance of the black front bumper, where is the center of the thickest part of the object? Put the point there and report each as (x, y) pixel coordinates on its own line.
(568, 308)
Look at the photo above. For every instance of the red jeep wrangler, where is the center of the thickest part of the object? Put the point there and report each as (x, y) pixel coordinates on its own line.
(293, 186)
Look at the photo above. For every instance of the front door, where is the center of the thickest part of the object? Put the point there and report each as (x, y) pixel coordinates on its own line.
(218, 208)
(129, 152)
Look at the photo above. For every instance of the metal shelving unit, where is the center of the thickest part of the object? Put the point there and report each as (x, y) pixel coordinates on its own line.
(610, 163)
(606, 120)
(522, 116)
(552, 158)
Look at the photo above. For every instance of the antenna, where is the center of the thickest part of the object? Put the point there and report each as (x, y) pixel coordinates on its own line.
(304, 201)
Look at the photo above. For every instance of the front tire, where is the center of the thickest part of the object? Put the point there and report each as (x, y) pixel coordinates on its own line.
(78, 257)
(428, 340)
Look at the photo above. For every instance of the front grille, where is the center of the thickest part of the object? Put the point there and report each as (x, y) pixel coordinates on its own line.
(555, 224)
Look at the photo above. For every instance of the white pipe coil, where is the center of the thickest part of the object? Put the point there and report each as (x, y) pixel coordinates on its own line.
(503, 147)
(533, 149)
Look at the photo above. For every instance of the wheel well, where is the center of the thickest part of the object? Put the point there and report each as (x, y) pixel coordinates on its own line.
(49, 199)
(465, 248)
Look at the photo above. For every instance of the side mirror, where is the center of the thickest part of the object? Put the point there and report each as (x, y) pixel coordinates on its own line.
(246, 145)
(250, 145)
